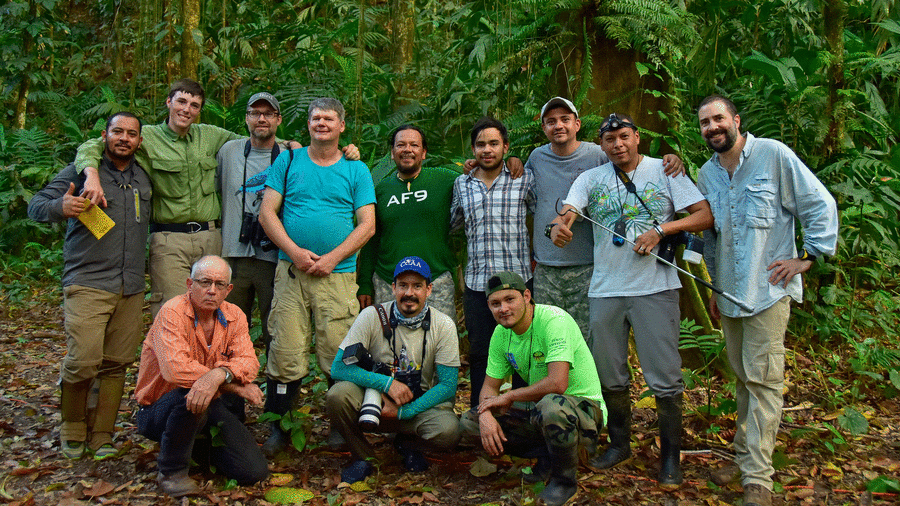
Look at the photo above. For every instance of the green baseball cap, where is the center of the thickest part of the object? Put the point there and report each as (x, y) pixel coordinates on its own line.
(505, 280)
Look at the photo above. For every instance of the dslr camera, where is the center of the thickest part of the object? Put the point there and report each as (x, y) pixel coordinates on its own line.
(693, 247)
(253, 233)
(370, 411)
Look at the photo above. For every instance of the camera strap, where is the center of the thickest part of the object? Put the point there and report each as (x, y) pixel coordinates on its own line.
(275, 151)
(388, 324)
(630, 188)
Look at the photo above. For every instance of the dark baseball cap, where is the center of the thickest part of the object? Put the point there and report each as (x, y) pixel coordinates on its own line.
(413, 264)
(505, 280)
(268, 97)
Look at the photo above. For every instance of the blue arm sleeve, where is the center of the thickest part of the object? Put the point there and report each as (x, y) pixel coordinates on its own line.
(444, 390)
(356, 374)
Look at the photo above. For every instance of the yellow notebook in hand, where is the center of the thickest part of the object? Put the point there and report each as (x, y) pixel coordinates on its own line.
(97, 221)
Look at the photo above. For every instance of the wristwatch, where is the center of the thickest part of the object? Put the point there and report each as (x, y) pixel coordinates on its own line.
(229, 377)
(804, 255)
(548, 230)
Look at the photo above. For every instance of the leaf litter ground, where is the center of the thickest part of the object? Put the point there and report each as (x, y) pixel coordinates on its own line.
(32, 471)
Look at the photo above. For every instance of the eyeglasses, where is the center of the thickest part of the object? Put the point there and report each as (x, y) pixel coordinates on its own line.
(257, 114)
(206, 283)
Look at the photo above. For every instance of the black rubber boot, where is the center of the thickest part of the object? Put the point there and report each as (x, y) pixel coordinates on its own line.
(563, 484)
(280, 404)
(618, 424)
(669, 411)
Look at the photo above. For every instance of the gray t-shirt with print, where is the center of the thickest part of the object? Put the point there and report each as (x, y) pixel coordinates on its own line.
(599, 194)
(230, 182)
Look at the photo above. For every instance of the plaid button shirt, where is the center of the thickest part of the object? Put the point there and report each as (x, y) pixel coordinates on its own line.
(494, 220)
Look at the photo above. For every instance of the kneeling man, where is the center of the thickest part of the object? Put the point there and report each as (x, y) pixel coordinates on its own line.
(197, 368)
(420, 349)
(544, 346)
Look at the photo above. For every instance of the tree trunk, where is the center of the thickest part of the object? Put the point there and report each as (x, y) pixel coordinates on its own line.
(402, 28)
(25, 84)
(190, 50)
(834, 16)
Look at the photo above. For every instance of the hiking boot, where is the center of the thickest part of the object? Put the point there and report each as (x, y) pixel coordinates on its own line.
(562, 486)
(757, 495)
(669, 410)
(725, 475)
(106, 451)
(73, 408)
(413, 460)
(539, 472)
(618, 406)
(178, 484)
(279, 399)
(72, 450)
(356, 471)
(336, 440)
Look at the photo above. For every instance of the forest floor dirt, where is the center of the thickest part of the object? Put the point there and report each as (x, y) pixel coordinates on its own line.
(32, 471)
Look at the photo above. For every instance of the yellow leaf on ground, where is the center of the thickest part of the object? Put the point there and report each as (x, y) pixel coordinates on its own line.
(481, 468)
(287, 495)
(281, 479)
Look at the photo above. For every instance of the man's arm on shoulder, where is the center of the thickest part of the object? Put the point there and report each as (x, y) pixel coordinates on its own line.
(673, 166)
(87, 159)
(365, 228)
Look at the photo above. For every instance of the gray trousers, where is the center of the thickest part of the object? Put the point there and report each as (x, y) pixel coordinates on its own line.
(253, 279)
(755, 347)
(655, 319)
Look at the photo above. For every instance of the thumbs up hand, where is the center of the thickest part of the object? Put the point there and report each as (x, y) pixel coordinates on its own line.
(73, 205)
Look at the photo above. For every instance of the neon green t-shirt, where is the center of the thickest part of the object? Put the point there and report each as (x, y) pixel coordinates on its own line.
(552, 337)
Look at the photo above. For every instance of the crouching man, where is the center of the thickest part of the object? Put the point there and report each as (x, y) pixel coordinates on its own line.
(544, 346)
(418, 346)
(197, 368)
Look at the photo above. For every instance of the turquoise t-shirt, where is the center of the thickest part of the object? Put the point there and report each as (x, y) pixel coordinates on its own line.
(552, 337)
(320, 202)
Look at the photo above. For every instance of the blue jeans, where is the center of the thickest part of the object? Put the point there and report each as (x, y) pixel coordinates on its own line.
(169, 422)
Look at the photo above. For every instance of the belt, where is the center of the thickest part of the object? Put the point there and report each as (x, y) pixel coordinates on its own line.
(191, 227)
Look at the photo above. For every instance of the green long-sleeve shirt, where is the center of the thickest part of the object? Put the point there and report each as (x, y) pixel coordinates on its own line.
(182, 169)
(410, 219)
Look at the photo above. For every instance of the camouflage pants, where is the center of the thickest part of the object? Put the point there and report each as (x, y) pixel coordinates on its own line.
(561, 421)
(565, 287)
(442, 298)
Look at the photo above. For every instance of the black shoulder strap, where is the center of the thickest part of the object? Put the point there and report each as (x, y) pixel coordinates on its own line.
(288, 169)
(630, 188)
(384, 321)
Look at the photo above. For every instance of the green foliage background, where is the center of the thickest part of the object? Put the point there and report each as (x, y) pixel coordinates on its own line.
(823, 76)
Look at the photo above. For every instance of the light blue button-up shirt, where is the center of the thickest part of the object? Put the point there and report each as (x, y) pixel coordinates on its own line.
(754, 222)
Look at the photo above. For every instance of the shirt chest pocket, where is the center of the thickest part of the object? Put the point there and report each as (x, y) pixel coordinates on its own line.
(169, 178)
(761, 205)
(208, 175)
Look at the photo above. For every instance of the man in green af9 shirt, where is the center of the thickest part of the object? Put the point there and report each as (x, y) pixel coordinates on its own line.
(544, 346)
(412, 217)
